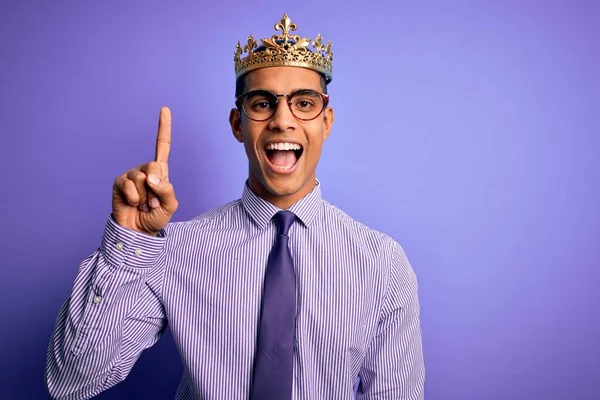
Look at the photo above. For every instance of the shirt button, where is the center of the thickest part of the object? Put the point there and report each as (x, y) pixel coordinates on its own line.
(138, 252)
(119, 246)
(97, 299)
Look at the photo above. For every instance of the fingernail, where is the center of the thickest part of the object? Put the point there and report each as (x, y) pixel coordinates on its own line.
(154, 203)
(153, 179)
(145, 207)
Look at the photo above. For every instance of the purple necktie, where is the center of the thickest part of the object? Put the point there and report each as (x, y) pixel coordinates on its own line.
(273, 361)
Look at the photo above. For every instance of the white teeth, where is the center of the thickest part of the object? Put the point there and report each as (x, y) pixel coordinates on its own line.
(283, 146)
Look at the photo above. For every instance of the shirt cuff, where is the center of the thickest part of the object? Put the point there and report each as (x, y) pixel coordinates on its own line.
(125, 246)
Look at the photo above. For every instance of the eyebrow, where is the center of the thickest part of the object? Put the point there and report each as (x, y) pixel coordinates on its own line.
(292, 91)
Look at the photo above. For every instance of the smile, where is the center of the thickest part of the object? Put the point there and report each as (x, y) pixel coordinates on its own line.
(282, 157)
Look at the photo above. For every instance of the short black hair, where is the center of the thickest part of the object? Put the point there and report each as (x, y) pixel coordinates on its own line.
(240, 83)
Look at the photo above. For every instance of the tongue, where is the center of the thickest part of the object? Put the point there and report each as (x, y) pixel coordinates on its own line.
(283, 157)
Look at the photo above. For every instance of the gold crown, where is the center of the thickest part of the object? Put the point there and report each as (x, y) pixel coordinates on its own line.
(284, 50)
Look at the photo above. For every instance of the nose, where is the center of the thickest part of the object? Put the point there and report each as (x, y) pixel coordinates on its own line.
(283, 119)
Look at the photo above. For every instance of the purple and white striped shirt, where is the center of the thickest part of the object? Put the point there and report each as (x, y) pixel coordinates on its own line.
(357, 318)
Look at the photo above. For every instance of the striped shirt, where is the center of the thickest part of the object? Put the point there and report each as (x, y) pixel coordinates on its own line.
(358, 333)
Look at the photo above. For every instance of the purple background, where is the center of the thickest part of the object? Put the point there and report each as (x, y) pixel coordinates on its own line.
(476, 126)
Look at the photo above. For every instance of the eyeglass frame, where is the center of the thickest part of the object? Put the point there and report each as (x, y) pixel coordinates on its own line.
(239, 103)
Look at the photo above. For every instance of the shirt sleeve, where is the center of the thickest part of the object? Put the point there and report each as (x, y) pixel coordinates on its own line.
(393, 367)
(114, 313)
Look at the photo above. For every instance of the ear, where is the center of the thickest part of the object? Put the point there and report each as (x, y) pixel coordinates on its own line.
(328, 117)
(235, 121)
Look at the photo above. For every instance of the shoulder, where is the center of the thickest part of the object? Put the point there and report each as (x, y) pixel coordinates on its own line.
(218, 213)
(356, 231)
(225, 214)
(388, 254)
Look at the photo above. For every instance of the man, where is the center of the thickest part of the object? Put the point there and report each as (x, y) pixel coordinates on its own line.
(277, 295)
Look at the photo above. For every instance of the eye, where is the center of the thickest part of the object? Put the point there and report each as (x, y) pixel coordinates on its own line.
(303, 104)
(259, 101)
(261, 105)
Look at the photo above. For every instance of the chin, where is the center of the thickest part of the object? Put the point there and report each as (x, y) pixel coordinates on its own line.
(285, 186)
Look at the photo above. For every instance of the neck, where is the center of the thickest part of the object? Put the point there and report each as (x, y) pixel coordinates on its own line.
(282, 201)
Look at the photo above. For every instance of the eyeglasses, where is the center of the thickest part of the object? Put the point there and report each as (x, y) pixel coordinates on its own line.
(260, 105)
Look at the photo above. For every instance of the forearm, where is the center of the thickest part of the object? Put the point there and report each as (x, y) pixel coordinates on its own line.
(111, 316)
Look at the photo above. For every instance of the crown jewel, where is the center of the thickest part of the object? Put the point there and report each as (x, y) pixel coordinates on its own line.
(284, 50)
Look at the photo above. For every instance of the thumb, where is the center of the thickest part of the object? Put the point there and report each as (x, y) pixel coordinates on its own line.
(165, 193)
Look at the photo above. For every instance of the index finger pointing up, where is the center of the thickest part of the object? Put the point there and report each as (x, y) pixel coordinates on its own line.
(163, 139)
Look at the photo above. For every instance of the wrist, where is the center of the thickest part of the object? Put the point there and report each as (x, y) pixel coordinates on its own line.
(133, 227)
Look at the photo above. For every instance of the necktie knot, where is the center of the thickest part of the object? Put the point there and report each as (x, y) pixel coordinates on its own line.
(283, 220)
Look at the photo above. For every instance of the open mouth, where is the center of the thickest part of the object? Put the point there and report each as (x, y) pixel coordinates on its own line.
(283, 156)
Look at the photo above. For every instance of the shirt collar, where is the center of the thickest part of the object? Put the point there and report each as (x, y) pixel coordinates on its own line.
(261, 211)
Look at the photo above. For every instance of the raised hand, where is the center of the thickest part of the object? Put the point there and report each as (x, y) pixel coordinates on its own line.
(143, 199)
